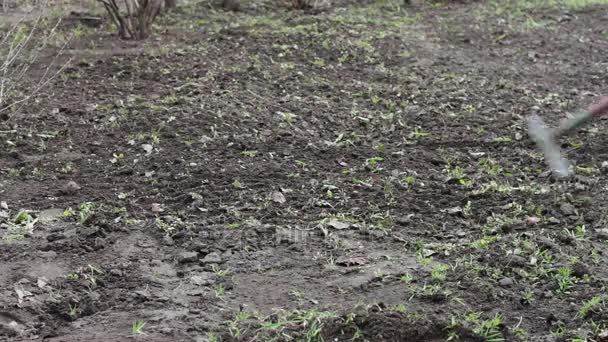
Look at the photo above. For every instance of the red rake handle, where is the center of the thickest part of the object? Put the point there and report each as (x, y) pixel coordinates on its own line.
(599, 108)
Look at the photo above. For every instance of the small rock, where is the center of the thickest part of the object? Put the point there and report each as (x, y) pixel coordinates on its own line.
(265, 229)
(602, 336)
(50, 215)
(99, 243)
(517, 260)
(166, 331)
(532, 220)
(116, 272)
(70, 188)
(454, 211)
(584, 179)
(602, 233)
(156, 208)
(579, 270)
(504, 282)
(203, 279)
(168, 241)
(55, 236)
(47, 254)
(405, 219)
(359, 260)
(187, 257)
(278, 197)
(567, 209)
(338, 224)
(212, 258)
(147, 148)
(428, 252)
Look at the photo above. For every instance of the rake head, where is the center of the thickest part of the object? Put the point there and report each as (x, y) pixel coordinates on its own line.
(545, 139)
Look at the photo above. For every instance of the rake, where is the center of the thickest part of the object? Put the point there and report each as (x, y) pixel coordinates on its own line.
(546, 138)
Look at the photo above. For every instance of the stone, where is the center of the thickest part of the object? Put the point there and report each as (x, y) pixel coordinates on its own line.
(187, 257)
(517, 260)
(567, 209)
(212, 258)
(504, 282)
(70, 188)
(579, 270)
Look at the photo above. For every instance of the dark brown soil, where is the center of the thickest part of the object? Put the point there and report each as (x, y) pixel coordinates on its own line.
(357, 172)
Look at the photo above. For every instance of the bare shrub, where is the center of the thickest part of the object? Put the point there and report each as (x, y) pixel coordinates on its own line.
(20, 48)
(134, 19)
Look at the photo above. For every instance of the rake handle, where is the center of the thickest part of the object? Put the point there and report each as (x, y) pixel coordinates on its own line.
(599, 108)
(596, 110)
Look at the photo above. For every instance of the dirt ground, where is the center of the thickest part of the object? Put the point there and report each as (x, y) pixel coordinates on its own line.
(359, 172)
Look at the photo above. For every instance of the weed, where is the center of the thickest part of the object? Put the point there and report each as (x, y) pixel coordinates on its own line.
(137, 329)
(85, 211)
(407, 278)
(578, 233)
(219, 272)
(249, 153)
(73, 311)
(527, 297)
(457, 173)
(590, 306)
(564, 280)
(490, 329)
(21, 225)
(417, 133)
(439, 272)
(220, 291)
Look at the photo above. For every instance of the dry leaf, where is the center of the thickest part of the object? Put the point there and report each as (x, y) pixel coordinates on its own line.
(156, 208)
(278, 197)
(338, 224)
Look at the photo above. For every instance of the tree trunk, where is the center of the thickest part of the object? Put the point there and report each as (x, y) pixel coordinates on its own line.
(170, 3)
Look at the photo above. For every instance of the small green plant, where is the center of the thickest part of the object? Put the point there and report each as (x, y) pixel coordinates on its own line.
(220, 291)
(373, 161)
(249, 153)
(73, 311)
(401, 308)
(21, 225)
(564, 280)
(69, 212)
(85, 212)
(484, 243)
(92, 274)
(578, 233)
(590, 306)
(439, 272)
(527, 297)
(457, 173)
(418, 133)
(490, 166)
(218, 271)
(409, 180)
(72, 276)
(407, 278)
(490, 329)
(138, 328)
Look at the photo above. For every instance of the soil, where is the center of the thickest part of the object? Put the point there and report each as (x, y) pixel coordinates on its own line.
(354, 172)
